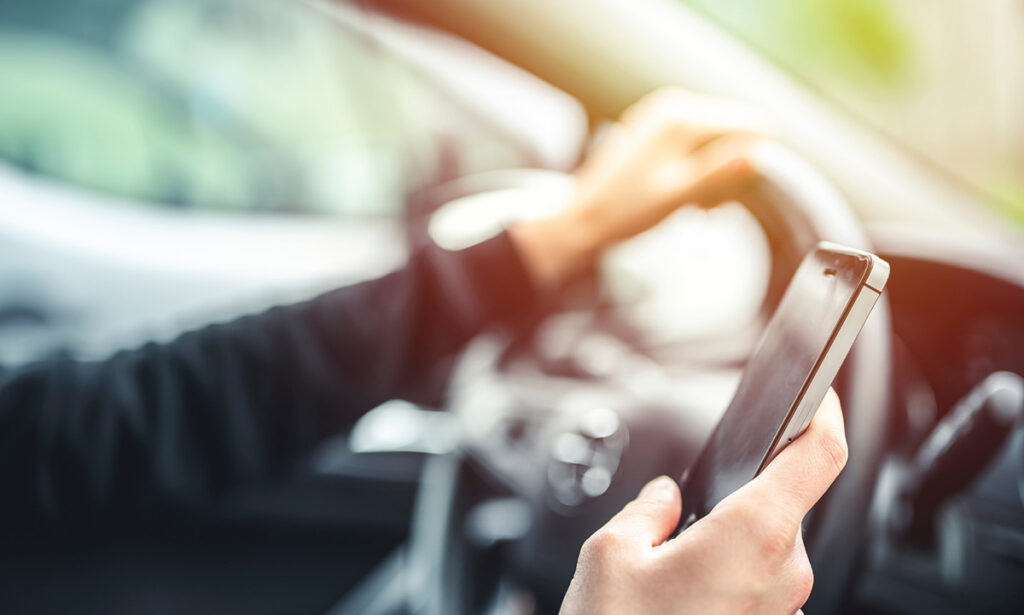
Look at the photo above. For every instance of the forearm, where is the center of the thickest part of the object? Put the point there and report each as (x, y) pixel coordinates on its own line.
(236, 402)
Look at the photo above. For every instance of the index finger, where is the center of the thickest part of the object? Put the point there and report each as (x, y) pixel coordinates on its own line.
(803, 471)
(703, 117)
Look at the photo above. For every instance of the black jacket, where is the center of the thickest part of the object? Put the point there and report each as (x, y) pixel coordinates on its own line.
(235, 402)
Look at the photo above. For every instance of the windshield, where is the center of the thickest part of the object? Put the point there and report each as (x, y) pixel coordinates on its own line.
(226, 104)
(943, 79)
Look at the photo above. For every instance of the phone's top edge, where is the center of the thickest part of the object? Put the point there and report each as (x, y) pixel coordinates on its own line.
(878, 274)
(838, 247)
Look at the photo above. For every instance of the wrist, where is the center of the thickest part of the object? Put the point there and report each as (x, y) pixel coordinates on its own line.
(556, 249)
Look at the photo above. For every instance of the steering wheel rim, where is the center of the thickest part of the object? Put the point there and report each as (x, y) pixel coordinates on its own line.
(793, 188)
(797, 207)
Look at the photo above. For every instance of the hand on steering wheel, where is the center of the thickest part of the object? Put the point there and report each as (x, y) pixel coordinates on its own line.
(746, 556)
(671, 148)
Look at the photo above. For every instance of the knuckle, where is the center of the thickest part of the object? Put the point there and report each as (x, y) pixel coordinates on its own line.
(677, 130)
(745, 511)
(594, 548)
(835, 449)
(661, 97)
(604, 544)
(744, 166)
(759, 587)
(734, 515)
(674, 123)
(772, 532)
(776, 536)
(803, 583)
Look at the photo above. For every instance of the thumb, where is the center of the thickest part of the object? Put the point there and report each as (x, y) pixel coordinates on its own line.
(652, 516)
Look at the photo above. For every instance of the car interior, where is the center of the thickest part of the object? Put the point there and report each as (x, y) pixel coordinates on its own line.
(165, 164)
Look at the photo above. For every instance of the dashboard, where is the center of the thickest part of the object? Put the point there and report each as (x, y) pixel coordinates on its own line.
(542, 426)
(957, 317)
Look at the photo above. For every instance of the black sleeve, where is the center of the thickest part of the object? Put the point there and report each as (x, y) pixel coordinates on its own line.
(234, 402)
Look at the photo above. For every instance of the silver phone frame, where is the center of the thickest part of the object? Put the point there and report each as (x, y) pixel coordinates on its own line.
(832, 356)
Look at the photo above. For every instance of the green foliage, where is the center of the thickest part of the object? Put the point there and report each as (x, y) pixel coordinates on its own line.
(859, 42)
(227, 104)
(66, 113)
(1009, 193)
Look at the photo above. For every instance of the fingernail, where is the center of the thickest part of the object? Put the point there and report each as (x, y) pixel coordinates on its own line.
(659, 488)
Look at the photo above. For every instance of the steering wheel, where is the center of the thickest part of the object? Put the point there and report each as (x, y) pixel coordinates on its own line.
(557, 454)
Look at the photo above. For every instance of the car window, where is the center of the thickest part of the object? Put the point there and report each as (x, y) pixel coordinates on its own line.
(225, 104)
(943, 79)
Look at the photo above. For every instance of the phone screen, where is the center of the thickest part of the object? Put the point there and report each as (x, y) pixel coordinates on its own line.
(809, 314)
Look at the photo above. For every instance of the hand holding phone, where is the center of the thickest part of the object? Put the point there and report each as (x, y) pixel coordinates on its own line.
(748, 554)
(797, 358)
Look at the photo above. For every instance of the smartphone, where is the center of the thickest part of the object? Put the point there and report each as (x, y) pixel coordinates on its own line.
(797, 358)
